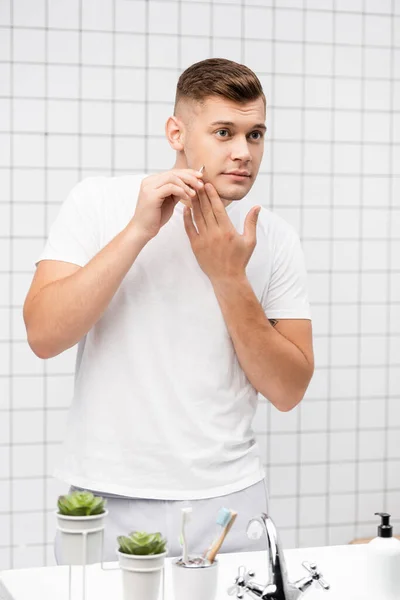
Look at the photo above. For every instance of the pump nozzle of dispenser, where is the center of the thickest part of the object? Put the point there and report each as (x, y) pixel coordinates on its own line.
(385, 529)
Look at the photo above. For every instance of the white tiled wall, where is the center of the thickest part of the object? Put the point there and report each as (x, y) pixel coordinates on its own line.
(85, 88)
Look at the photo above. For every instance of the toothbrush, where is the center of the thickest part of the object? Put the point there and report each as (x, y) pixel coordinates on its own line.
(223, 516)
(186, 516)
(217, 546)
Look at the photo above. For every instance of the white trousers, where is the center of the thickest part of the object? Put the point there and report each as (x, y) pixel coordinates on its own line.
(137, 514)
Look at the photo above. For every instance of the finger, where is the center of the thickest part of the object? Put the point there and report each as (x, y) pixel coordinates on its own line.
(174, 179)
(190, 177)
(198, 215)
(206, 209)
(189, 225)
(170, 189)
(218, 208)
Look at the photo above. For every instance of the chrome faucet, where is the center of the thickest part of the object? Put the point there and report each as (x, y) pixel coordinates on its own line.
(278, 587)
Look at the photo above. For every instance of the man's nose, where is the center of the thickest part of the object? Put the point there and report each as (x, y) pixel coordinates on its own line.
(241, 150)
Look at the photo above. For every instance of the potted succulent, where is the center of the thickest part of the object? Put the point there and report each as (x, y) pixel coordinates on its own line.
(141, 557)
(80, 520)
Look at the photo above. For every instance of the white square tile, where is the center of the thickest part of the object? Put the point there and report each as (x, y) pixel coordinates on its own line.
(163, 17)
(374, 255)
(28, 115)
(129, 153)
(4, 461)
(159, 156)
(346, 223)
(60, 183)
(313, 479)
(347, 127)
(5, 13)
(27, 427)
(313, 414)
(29, 80)
(287, 157)
(318, 60)
(312, 537)
(28, 528)
(228, 48)
(291, 215)
(5, 426)
(321, 347)
(28, 557)
(157, 115)
(63, 363)
(63, 46)
(319, 26)
(63, 81)
(28, 220)
(377, 30)
(5, 279)
(373, 318)
(4, 255)
(96, 152)
(97, 14)
(377, 62)
(130, 84)
(97, 117)
(5, 71)
(373, 383)
(283, 511)
(320, 320)
(317, 157)
(282, 480)
(342, 445)
(97, 48)
(28, 185)
(379, 6)
(283, 448)
(318, 387)
(64, 15)
(28, 45)
(344, 351)
(286, 124)
(379, 129)
(348, 28)
(130, 50)
(62, 151)
(286, 190)
(316, 222)
(287, 57)
(5, 497)
(5, 220)
(97, 83)
(373, 350)
(287, 91)
(371, 476)
(260, 422)
(371, 445)
(27, 392)
(4, 354)
(55, 488)
(377, 95)
(377, 160)
(283, 422)
(347, 159)
(220, 23)
(316, 190)
(345, 255)
(59, 391)
(63, 116)
(289, 25)
(346, 190)
(317, 125)
(348, 61)
(190, 50)
(28, 461)
(5, 44)
(344, 320)
(53, 456)
(342, 477)
(28, 150)
(5, 530)
(373, 287)
(317, 254)
(394, 316)
(340, 535)
(56, 424)
(393, 441)
(376, 223)
(312, 510)
(368, 504)
(25, 362)
(28, 14)
(163, 52)
(343, 414)
(318, 92)
(393, 474)
(347, 95)
(130, 16)
(257, 22)
(313, 448)
(342, 508)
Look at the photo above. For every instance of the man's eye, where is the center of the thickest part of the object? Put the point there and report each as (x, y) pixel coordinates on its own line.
(219, 131)
(257, 133)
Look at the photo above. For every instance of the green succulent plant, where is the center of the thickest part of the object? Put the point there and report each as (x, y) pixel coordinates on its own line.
(142, 543)
(79, 504)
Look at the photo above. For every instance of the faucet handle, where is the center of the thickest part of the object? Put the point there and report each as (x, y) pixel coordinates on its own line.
(316, 574)
(241, 582)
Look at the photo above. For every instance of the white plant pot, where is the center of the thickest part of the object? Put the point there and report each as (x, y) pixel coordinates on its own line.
(141, 575)
(81, 538)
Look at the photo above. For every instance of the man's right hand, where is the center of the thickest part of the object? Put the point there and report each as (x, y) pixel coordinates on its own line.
(158, 196)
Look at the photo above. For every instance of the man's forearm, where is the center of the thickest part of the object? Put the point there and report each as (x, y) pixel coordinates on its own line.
(274, 365)
(65, 310)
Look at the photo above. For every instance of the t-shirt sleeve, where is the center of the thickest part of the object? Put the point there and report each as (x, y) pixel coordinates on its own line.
(287, 294)
(74, 234)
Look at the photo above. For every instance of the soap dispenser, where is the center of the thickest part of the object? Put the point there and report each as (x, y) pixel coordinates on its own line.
(384, 561)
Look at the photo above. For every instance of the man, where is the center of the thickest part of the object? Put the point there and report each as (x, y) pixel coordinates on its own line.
(180, 318)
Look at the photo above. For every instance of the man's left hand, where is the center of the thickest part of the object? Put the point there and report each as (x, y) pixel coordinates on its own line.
(221, 251)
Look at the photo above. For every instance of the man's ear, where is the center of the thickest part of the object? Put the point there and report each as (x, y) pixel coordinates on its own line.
(174, 132)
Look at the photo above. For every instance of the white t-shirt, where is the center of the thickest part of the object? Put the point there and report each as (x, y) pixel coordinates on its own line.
(161, 406)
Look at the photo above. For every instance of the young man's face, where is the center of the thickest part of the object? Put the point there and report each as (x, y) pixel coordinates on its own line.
(224, 136)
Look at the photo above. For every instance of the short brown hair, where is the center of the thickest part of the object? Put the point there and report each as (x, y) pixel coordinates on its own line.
(218, 77)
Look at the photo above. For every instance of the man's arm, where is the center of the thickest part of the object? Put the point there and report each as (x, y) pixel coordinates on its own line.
(277, 359)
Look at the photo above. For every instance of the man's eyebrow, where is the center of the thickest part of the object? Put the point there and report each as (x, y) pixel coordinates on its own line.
(232, 124)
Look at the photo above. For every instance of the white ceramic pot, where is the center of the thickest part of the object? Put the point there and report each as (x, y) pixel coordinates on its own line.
(81, 538)
(141, 575)
(195, 582)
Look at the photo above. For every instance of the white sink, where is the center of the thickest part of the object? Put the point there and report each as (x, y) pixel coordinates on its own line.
(343, 567)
